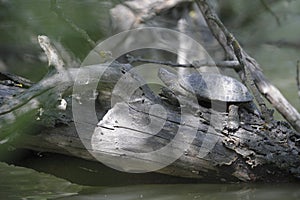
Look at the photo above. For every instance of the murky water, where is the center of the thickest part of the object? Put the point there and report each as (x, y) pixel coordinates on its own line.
(23, 183)
(190, 192)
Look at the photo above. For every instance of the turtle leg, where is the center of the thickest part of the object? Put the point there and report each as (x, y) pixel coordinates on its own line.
(252, 108)
(233, 117)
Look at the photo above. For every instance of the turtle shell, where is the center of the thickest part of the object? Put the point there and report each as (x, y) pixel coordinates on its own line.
(215, 87)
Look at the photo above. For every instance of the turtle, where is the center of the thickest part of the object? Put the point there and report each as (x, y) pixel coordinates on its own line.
(211, 87)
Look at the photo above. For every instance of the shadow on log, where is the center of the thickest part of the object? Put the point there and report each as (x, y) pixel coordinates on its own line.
(127, 132)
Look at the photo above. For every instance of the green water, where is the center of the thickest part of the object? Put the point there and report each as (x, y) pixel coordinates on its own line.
(24, 183)
(190, 192)
(21, 22)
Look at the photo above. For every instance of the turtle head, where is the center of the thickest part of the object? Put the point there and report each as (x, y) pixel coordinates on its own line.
(167, 77)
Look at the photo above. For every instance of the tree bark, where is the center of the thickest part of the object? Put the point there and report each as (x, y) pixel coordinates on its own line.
(251, 153)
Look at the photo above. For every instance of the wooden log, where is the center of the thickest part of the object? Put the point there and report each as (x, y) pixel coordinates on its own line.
(251, 153)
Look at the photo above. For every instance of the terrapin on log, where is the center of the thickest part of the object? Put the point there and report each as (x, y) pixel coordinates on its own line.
(211, 88)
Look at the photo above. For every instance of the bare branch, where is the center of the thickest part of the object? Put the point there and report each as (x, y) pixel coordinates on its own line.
(51, 53)
(82, 32)
(132, 59)
(45, 84)
(267, 7)
(195, 64)
(298, 77)
(237, 49)
(265, 87)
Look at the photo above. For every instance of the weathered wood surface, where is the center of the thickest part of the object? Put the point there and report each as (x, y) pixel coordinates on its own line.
(254, 152)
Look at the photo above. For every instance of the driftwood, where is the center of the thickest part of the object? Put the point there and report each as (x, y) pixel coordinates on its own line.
(41, 117)
(298, 77)
(252, 153)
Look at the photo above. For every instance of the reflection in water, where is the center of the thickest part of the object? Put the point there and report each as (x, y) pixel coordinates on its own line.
(23, 183)
(193, 191)
(19, 182)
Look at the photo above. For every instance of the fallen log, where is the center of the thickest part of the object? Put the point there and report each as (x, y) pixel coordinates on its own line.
(254, 152)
